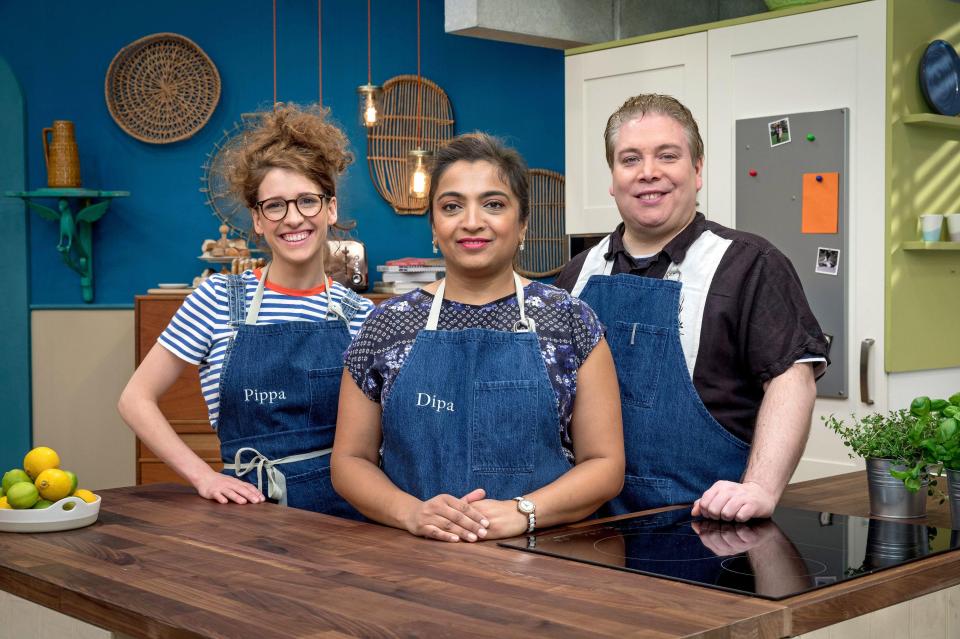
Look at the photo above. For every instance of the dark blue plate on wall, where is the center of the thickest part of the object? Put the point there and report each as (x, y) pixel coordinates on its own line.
(940, 77)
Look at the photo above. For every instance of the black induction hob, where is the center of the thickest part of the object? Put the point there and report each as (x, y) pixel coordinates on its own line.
(794, 551)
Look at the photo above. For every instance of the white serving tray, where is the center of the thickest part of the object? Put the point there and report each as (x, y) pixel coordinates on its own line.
(52, 518)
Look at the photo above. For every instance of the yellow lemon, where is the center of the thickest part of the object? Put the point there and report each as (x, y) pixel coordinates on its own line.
(22, 495)
(4, 505)
(40, 459)
(85, 495)
(54, 484)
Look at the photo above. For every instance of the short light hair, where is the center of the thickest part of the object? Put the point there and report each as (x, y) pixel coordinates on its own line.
(665, 105)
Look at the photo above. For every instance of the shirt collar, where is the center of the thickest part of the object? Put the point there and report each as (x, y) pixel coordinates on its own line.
(675, 250)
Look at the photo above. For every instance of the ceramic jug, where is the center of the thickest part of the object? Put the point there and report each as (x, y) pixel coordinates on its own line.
(60, 154)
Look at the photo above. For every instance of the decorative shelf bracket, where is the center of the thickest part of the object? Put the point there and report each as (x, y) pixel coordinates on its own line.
(75, 243)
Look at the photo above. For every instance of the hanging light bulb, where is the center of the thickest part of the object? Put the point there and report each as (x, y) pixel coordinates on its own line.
(370, 109)
(369, 94)
(418, 168)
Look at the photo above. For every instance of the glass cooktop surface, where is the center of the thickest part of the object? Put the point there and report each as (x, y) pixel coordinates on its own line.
(794, 551)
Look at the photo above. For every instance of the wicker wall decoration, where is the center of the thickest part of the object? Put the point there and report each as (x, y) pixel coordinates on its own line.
(162, 88)
(390, 141)
(546, 250)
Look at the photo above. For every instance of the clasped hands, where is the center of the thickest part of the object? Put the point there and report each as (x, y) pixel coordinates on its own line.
(468, 518)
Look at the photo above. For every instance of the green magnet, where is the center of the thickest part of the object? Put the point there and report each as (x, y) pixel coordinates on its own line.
(811, 137)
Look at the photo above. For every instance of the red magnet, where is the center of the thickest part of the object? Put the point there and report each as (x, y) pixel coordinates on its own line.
(753, 173)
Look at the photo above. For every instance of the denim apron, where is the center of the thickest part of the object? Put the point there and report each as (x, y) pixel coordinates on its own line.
(674, 448)
(279, 388)
(473, 408)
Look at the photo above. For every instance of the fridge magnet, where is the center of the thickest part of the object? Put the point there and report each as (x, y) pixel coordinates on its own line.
(779, 131)
(828, 261)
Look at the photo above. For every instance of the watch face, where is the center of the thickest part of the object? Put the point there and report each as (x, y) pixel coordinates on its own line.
(525, 506)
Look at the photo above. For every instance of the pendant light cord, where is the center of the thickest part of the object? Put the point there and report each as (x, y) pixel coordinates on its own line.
(274, 52)
(419, 83)
(320, 53)
(369, 73)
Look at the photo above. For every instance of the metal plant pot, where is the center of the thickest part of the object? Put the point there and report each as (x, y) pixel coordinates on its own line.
(889, 497)
(892, 542)
(953, 490)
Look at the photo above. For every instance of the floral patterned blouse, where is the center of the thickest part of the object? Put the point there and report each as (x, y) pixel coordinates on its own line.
(567, 329)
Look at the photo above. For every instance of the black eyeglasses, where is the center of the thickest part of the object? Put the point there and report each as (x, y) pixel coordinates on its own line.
(275, 208)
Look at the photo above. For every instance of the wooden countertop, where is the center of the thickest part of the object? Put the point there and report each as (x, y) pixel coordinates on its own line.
(162, 562)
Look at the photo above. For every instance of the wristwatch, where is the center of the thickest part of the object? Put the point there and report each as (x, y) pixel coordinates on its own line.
(528, 508)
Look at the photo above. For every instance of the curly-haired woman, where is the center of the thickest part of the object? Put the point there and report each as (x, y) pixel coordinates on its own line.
(270, 343)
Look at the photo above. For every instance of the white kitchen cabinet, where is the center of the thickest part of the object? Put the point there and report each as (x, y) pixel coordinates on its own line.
(596, 85)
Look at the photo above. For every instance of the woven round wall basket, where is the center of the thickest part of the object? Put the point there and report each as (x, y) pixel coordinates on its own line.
(389, 142)
(162, 88)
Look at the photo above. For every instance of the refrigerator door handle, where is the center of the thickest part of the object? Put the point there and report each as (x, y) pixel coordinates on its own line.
(865, 347)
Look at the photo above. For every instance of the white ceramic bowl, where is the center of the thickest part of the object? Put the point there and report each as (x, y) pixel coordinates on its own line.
(51, 519)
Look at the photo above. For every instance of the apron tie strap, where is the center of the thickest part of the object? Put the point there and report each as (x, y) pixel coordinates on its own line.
(276, 480)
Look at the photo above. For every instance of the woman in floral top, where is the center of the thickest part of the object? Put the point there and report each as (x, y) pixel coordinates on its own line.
(484, 405)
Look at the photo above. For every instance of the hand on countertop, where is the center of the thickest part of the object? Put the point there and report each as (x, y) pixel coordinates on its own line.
(447, 518)
(732, 501)
(224, 489)
(505, 519)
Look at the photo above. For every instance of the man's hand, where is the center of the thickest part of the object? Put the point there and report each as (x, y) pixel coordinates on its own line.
(731, 501)
(728, 539)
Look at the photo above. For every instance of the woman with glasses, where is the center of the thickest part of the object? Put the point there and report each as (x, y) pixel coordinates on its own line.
(270, 343)
(484, 405)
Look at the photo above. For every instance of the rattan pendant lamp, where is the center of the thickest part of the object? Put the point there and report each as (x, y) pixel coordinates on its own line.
(419, 159)
(369, 94)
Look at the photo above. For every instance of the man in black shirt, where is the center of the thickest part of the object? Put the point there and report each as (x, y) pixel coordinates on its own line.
(746, 343)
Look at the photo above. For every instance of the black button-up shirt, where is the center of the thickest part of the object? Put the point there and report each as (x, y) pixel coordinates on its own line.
(756, 321)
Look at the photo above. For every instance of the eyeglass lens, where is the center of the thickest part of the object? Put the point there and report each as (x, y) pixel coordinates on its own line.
(275, 209)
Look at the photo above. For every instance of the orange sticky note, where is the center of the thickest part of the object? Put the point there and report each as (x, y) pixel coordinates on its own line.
(820, 202)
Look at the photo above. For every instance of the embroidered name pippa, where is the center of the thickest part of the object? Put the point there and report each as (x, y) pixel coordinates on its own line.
(432, 401)
(262, 397)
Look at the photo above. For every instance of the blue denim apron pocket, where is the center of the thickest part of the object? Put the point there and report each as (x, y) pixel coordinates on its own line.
(501, 443)
(324, 396)
(640, 493)
(638, 355)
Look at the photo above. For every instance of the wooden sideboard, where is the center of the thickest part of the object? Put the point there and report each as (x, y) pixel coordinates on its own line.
(182, 404)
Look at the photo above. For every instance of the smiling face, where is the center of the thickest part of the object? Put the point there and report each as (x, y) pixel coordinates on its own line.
(476, 219)
(295, 241)
(654, 179)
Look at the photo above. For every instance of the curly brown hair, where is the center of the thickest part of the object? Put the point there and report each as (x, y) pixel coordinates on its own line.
(293, 137)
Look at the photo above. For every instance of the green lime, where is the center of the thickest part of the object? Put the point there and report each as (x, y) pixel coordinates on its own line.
(73, 480)
(42, 503)
(22, 495)
(14, 476)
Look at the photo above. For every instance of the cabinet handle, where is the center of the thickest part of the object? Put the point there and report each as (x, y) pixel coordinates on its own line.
(865, 347)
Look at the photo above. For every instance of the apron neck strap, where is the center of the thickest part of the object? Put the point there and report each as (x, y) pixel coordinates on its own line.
(333, 308)
(524, 324)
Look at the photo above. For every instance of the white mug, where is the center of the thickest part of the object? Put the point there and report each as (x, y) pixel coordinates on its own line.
(953, 226)
(930, 225)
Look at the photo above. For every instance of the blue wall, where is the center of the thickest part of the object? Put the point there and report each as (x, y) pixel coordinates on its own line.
(60, 50)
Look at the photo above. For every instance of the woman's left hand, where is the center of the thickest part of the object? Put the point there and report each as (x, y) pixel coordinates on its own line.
(505, 520)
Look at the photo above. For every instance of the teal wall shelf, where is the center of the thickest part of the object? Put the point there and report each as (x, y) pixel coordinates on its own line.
(76, 229)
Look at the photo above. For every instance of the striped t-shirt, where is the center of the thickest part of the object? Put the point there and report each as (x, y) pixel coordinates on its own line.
(199, 331)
